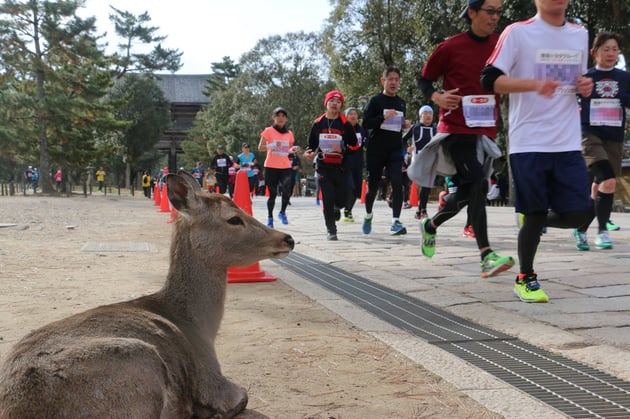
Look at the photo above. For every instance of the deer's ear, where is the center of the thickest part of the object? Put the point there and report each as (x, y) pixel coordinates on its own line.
(181, 191)
(191, 181)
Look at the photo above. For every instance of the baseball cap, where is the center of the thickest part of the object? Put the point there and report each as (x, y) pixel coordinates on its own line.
(278, 110)
(425, 108)
(245, 145)
(470, 3)
(220, 147)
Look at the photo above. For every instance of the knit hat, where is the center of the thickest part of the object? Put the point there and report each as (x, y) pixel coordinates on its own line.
(332, 94)
(425, 108)
(350, 109)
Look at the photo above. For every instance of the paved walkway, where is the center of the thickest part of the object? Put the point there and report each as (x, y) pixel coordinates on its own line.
(587, 318)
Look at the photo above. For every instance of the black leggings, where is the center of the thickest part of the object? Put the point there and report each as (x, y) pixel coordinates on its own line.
(529, 235)
(472, 187)
(278, 179)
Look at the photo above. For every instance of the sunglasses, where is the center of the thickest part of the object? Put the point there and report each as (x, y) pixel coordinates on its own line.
(492, 12)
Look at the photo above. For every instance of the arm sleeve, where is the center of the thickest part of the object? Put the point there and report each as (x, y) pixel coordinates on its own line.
(426, 86)
(350, 137)
(372, 115)
(313, 138)
(488, 76)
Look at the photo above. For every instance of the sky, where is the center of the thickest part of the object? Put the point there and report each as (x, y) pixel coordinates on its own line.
(208, 30)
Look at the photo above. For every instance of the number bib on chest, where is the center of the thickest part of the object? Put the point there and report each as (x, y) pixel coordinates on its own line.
(606, 112)
(479, 110)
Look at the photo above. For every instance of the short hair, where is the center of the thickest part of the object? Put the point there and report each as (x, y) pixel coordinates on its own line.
(391, 69)
(602, 37)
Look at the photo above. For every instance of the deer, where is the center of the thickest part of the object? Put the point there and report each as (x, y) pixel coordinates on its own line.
(154, 356)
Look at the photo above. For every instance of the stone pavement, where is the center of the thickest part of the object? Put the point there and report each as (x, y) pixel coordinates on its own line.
(587, 318)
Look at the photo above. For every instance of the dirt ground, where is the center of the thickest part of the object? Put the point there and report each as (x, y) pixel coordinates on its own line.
(296, 358)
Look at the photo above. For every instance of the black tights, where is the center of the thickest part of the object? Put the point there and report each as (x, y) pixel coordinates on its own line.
(529, 235)
(473, 195)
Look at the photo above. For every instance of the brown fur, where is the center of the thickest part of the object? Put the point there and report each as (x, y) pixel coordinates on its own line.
(152, 357)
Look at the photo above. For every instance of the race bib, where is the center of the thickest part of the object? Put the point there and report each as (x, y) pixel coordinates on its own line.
(395, 123)
(330, 143)
(559, 65)
(221, 162)
(279, 147)
(479, 110)
(606, 112)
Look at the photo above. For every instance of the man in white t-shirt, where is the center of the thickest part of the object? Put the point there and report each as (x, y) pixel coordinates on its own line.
(540, 63)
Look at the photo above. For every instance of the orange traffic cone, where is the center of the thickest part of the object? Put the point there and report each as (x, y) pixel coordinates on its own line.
(413, 195)
(156, 194)
(164, 207)
(267, 191)
(363, 191)
(173, 216)
(243, 199)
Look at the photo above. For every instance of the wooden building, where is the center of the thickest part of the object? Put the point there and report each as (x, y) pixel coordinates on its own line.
(185, 94)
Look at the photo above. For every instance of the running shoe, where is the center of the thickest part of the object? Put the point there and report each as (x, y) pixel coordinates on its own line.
(468, 232)
(283, 217)
(494, 264)
(347, 217)
(581, 241)
(317, 202)
(270, 222)
(332, 237)
(397, 229)
(602, 240)
(610, 226)
(406, 205)
(367, 225)
(428, 239)
(421, 215)
(528, 290)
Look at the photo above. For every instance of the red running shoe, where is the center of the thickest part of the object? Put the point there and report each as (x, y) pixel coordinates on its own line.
(468, 232)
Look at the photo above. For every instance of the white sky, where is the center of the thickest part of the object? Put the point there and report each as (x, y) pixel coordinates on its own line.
(207, 30)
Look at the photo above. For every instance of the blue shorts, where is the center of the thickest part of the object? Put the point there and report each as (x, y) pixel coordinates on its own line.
(557, 181)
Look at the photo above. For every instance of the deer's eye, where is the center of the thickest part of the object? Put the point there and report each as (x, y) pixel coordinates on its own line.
(235, 221)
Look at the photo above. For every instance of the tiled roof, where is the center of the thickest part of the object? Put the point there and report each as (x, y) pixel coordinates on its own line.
(183, 88)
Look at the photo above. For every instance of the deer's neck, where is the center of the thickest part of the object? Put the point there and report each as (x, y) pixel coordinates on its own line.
(195, 288)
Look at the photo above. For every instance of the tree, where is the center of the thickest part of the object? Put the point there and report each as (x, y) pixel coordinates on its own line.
(138, 99)
(288, 71)
(362, 38)
(222, 74)
(54, 75)
(132, 29)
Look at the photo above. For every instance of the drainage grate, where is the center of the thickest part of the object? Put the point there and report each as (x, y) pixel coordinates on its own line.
(575, 389)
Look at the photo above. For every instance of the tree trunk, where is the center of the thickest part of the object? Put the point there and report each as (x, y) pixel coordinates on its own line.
(127, 174)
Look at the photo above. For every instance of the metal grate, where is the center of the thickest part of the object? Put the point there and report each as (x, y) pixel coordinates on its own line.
(575, 389)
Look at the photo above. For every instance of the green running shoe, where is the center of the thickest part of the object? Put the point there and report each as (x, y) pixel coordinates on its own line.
(602, 240)
(610, 226)
(428, 239)
(494, 264)
(528, 290)
(581, 242)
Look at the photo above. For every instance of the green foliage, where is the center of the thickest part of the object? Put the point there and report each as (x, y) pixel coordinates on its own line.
(288, 71)
(140, 102)
(132, 30)
(54, 76)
